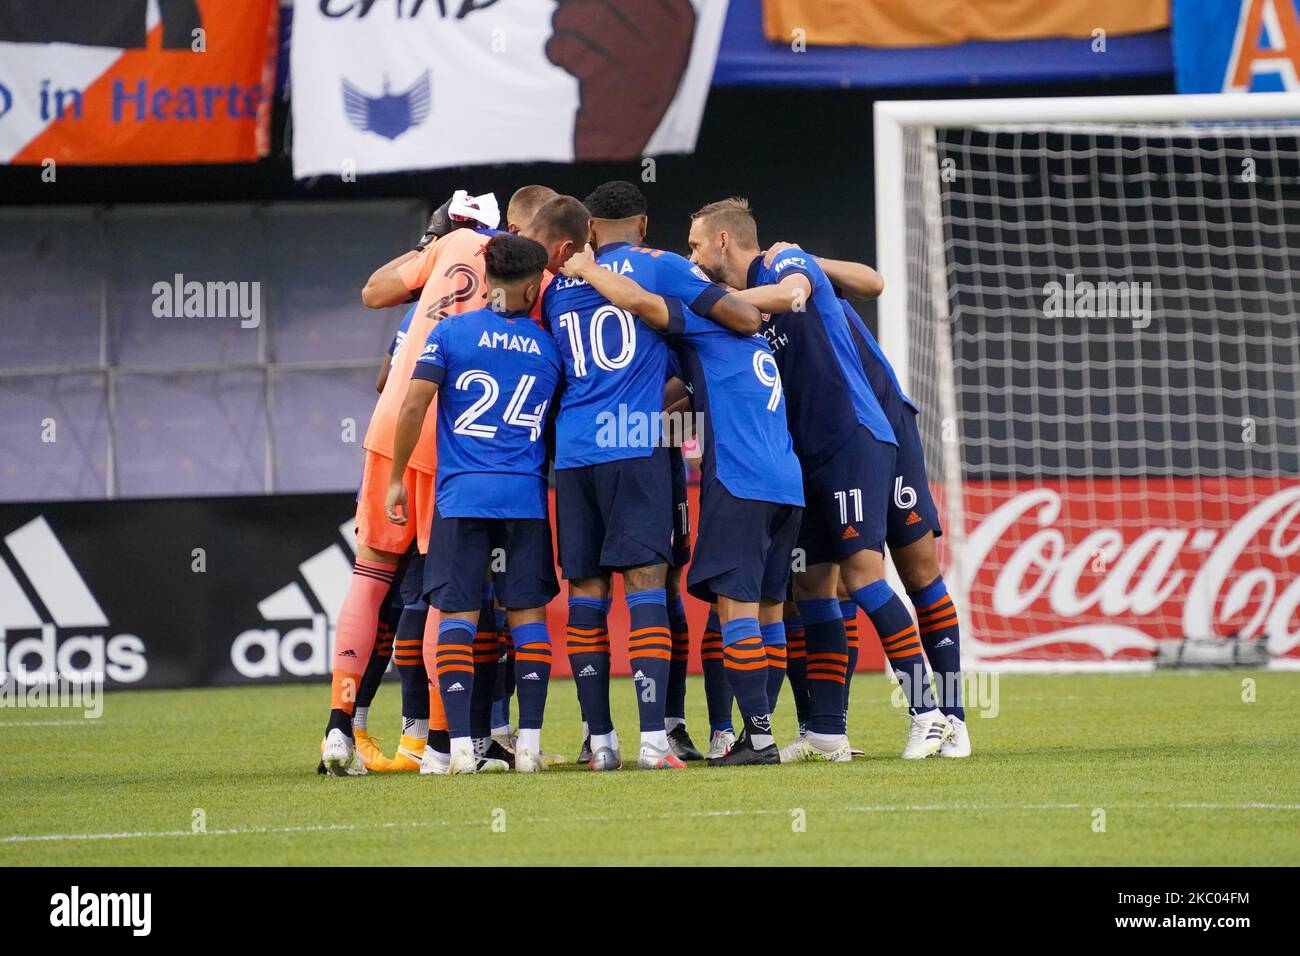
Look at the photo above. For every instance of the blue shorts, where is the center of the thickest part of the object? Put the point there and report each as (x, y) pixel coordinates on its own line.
(516, 550)
(614, 516)
(912, 511)
(846, 500)
(744, 547)
(681, 511)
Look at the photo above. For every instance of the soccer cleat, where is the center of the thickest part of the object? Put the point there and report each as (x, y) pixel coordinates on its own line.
(371, 755)
(652, 758)
(719, 743)
(528, 762)
(855, 752)
(339, 755)
(958, 745)
(926, 735)
(802, 749)
(462, 761)
(680, 743)
(409, 756)
(433, 763)
(584, 755)
(495, 752)
(605, 758)
(506, 741)
(744, 753)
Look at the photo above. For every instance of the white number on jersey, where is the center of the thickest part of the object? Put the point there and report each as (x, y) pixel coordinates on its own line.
(467, 423)
(572, 324)
(769, 377)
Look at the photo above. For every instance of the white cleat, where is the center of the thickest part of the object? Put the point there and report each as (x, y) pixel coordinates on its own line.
(720, 744)
(958, 745)
(528, 762)
(339, 754)
(605, 758)
(434, 763)
(650, 757)
(926, 735)
(802, 749)
(462, 761)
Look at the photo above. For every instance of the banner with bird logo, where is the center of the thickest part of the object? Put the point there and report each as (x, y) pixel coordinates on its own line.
(384, 87)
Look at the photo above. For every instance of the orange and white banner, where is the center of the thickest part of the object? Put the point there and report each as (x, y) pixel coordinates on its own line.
(902, 23)
(137, 82)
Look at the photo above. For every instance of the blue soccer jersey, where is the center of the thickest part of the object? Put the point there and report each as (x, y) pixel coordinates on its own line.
(736, 389)
(884, 383)
(827, 392)
(400, 334)
(615, 367)
(497, 373)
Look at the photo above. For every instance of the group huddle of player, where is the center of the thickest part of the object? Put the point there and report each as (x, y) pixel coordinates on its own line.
(532, 340)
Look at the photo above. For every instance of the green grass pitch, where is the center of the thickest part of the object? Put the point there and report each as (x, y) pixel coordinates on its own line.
(1184, 770)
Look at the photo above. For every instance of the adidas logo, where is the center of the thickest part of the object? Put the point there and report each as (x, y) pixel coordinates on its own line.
(348, 653)
(43, 592)
(913, 518)
(946, 642)
(303, 650)
(587, 671)
(531, 676)
(849, 533)
(639, 675)
(455, 687)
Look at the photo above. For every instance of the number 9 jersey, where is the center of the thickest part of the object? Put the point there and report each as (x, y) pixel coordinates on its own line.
(497, 373)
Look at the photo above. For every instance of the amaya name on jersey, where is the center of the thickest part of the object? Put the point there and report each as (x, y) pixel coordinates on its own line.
(510, 341)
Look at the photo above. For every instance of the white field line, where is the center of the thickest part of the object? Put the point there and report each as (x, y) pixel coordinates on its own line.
(699, 814)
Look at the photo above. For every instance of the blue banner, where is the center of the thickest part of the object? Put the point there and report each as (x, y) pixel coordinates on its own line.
(1236, 46)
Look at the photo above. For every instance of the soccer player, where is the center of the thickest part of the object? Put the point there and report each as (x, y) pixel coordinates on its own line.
(613, 481)
(848, 452)
(524, 204)
(449, 273)
(751, 496)
(497, 372)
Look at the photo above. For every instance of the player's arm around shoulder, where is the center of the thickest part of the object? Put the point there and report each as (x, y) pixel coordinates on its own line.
(789, 294)
(621, 290)
(857, 279)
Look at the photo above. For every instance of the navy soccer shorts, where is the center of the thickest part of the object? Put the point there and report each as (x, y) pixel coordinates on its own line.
(744, 547)
(516, 550)
(912, 511)
(615, 515)
(846, 500)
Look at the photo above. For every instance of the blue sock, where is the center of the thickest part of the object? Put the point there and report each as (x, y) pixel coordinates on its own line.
(717, 692)
(588, 649)
(680, 631)
(849, 611)
(796, 667)
(408, 655)
(532, 672)
(828, 657)
(455, 659)
(746, 661)
(893, 622)
(774, 645)
(939, 635)
(487, 650)
(649, 651)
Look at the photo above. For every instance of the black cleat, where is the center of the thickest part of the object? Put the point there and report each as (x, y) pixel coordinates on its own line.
(495, 751)
(683, 748)
(585, 755)
(744, 753)
(320, 769)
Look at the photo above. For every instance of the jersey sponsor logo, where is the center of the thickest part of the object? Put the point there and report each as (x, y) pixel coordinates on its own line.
(788, 262)
(509, 341)
(389, 114)
(66, 629)
(430, 350)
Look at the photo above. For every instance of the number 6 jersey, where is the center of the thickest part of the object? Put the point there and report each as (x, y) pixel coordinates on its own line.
(497, 373)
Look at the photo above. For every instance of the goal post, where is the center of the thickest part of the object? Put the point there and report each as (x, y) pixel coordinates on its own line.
(1095, 301)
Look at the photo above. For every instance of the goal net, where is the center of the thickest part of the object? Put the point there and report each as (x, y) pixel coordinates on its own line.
(1096, 304)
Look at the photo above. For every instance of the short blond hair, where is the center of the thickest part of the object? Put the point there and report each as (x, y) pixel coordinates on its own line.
(525, 202)
(734, 216)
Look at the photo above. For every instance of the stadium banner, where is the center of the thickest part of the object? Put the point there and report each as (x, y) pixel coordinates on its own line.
(193, 592)
(388, 87)
(114, 82)
(1102, 571)
(1236, 46)
(901, 23)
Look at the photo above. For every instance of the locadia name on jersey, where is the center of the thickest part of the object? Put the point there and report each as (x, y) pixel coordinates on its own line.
(509, 341)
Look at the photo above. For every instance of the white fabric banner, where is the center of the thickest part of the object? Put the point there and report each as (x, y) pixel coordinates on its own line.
(387, 86)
